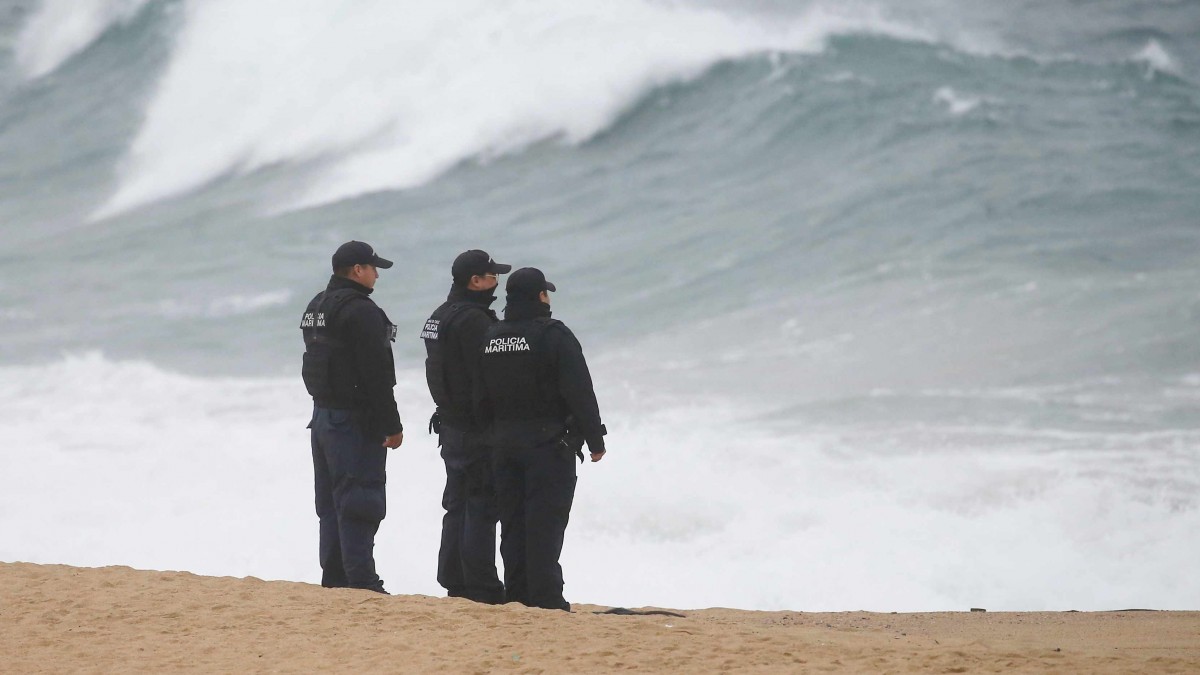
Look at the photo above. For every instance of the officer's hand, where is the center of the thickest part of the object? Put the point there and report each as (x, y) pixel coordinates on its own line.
(597, 456)
(394, 440)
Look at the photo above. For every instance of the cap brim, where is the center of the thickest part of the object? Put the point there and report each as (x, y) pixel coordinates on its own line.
(382, 263)
(550, 287)
(500, 268)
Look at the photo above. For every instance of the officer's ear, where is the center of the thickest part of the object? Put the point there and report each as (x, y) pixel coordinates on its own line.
(544, 296)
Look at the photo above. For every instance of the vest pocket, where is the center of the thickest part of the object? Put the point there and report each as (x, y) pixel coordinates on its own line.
(315, 371)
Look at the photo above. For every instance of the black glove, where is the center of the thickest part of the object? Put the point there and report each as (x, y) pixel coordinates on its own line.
(435, 423)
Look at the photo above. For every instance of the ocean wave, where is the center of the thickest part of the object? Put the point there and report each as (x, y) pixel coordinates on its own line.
(62, 28)
(387, 95)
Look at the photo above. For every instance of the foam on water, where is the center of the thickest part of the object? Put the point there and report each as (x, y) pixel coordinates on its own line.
(223, 307)
(1156, 58)
(692, 507)
(957, 104)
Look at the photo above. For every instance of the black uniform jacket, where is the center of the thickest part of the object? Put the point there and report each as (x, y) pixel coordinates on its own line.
(368, 373)
(461, 342)
(533, 409)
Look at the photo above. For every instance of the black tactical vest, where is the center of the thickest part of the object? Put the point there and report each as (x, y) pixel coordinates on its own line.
(444, 371)
(518, 372)
(325, 353)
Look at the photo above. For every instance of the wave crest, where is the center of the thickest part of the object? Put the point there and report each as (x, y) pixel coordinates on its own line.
(390, 95)
(62, 28)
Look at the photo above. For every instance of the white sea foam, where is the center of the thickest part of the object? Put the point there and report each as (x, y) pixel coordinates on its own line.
(62, 28)
(14, 314)
(1156, 59)
(124, 463)
(390, 94)
(957, 104)
(234, 305)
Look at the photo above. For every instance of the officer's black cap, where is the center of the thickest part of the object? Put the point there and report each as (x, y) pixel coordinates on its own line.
(528, 282)
(358, 253)
(476, 263)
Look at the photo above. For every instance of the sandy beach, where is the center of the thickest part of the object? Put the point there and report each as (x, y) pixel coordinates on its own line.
(57, 618)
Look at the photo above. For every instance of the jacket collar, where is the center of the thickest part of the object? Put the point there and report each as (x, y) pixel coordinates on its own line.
(337, 283)
(481, 298)
(519, 309)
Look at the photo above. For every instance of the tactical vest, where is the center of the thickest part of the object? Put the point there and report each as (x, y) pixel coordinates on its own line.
(446, 376)
(518, 371)
(325, 353)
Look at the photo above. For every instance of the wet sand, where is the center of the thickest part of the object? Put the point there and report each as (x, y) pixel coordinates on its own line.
(56, 618)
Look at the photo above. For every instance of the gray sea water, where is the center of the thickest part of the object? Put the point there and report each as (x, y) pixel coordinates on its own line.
(889, 305)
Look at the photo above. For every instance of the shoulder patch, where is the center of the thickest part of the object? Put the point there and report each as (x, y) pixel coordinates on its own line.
(313, 320)
(432, 329)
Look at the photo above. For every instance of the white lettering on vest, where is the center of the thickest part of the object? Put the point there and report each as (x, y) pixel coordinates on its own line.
(509, 344)
(430, 331)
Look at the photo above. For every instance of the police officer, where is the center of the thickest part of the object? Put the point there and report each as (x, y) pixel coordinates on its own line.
(349, 372)
(453, 340)
(536, 393)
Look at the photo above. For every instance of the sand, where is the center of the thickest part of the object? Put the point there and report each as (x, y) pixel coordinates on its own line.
(56, 618)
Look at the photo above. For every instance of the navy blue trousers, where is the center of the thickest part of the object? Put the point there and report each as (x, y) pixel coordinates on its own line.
(535, 487)
(467, 557)
(349, 478)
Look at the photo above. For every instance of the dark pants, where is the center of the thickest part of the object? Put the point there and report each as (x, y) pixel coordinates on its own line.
(467, 558)
(535, 487)
(351, 499)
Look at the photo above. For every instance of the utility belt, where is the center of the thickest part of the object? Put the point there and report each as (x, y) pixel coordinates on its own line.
(539, 432)
(460, 422)
(456, 420)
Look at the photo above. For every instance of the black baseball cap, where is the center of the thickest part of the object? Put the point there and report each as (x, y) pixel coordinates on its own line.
(358, 253)
(476, 263)
(528, 281)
